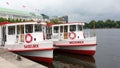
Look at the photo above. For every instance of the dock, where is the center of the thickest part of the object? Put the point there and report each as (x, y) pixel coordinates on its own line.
(10, 60)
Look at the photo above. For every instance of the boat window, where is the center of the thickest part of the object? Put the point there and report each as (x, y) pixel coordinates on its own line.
(38, 27)
(20, 29)
(72, 27)
(79, 27)
(56, 28)
(61, 28)
(65, 28)
(29, 28)
(48, 30)
(11, 30)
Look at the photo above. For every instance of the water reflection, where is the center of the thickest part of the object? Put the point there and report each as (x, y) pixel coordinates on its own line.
(66, 60)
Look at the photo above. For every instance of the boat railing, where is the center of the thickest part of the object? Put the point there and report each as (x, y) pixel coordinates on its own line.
(89, 33)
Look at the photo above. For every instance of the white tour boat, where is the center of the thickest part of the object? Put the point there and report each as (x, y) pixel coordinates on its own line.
(27, 39)
(70, 37)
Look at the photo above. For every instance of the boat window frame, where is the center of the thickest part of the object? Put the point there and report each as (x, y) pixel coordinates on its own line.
(65, 28)
(39, 28)
(61, 29)
(48, 30)
(57, 29)
(72, 29)
(11, 32)
(27, 29)
(81, 27)
(20, 28)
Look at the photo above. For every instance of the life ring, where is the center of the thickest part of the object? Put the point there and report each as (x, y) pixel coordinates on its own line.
(72, 35)
(28, 36)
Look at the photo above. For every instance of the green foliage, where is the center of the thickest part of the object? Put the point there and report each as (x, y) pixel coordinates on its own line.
(103, 24)
(55, 21)
(13, 20)
(17, 20)
(92, 24)
(9, 20)
(23, 20)
(1, 19)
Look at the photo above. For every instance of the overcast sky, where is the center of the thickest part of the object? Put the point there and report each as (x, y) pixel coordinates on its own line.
(77, 10)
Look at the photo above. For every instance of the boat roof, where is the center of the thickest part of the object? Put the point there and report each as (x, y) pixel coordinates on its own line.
(21, 23)
(70, 23)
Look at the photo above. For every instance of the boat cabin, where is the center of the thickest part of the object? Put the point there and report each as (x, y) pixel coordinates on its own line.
(25, 32)
(68, 31)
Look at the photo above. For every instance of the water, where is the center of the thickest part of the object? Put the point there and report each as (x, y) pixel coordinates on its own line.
(107, 53)
(108, 48)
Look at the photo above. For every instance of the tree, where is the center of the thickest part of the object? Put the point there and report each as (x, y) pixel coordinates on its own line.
(9, 20)
(55, 21)
(23, 20)
(103, 24)
(92, 24)
(17, 20)
(117, 24)
(100, 24)
(13, 20)
(1, 19)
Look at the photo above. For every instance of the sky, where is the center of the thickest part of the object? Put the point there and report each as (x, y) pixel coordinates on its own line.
(77, 10)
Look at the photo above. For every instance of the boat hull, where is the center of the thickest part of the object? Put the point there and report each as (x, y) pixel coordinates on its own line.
(40, 56)
(42, 51)
(79, 50)
(85, 46)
